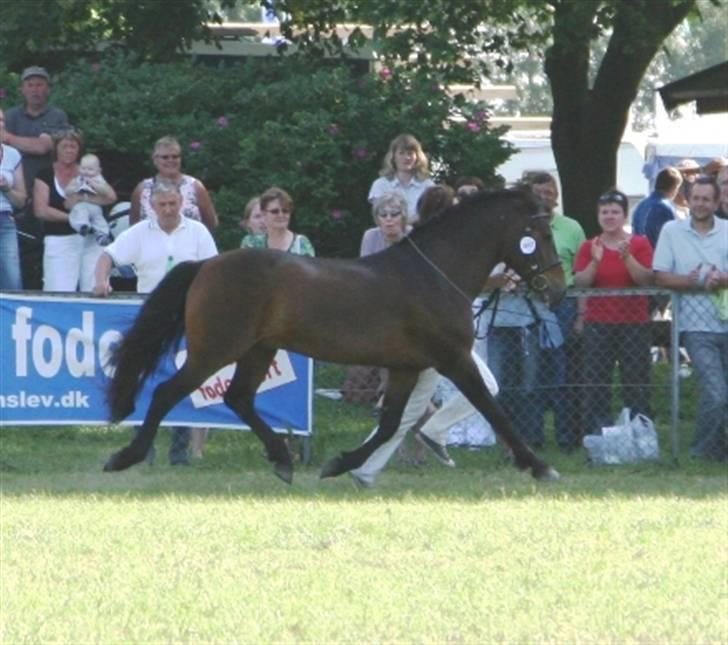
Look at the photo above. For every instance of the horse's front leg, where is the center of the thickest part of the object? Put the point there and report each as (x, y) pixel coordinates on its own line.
(465, 375)
(398, 415)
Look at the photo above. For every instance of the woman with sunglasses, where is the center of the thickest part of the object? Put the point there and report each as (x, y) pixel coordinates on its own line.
(277, 207)
(390, 216)
(196, 201)
(615, 328)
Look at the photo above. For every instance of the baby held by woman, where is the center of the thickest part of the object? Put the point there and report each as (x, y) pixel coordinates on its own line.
(87, 218)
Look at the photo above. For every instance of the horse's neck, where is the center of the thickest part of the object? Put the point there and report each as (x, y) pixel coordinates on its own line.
(466, 255)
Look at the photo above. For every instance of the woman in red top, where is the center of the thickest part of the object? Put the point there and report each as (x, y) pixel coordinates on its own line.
(615, 328)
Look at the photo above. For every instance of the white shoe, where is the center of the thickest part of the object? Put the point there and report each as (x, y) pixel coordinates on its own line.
(359, 483)
(440, 451)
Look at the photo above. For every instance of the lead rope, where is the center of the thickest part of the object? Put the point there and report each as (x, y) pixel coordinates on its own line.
(439, 271)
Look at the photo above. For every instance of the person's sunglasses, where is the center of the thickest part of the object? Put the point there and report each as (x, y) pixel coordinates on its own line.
(612, 197)
(390, 215)
(168, 157)
(278, 211)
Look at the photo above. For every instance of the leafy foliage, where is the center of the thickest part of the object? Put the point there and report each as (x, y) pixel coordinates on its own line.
(312, 128)
(49, 32)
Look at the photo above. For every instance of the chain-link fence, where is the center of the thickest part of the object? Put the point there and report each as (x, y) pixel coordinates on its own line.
(616, 349)
(569, 373)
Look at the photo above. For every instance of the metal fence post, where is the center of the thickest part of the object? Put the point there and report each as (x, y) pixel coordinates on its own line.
(675, 373)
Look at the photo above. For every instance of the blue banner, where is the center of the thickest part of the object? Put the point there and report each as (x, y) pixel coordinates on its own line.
(54, 369)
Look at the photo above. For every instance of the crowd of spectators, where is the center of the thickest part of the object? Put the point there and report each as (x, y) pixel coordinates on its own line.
(51, 238)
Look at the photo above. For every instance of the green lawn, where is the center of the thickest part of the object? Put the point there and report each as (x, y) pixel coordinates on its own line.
(223, 552)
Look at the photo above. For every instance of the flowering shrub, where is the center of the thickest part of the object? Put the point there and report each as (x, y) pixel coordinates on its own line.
(315, 130)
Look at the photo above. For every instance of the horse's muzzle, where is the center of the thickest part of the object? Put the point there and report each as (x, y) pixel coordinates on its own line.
(549, 284)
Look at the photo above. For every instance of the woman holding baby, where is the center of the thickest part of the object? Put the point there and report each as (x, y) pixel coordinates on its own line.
(69, 258)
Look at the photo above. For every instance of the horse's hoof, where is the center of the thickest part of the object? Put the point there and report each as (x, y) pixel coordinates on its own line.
(114, 463)
(548, 475)
(333, 468)
(120, 461)
(284, 472)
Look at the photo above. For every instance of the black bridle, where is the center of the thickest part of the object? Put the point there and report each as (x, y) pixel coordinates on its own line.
(535, 278)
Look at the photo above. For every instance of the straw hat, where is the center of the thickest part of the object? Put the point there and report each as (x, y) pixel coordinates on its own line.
(688, 166)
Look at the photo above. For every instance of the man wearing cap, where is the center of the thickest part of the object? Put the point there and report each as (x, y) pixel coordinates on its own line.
(28, 128)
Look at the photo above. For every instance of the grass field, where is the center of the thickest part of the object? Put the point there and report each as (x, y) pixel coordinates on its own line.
(222, 552)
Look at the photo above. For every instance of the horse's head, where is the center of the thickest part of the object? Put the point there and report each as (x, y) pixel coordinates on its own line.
(532, 253)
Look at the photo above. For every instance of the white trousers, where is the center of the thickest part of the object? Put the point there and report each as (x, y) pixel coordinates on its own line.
(69, 262)
(454, 410)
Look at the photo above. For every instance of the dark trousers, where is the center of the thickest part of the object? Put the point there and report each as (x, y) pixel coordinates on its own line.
(562, 374)
(30, 245)
(628, 345)
(178, 447)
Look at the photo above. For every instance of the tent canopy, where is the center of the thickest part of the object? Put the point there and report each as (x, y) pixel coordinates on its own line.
(708, 88)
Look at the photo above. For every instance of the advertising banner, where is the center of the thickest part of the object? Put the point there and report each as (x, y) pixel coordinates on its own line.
(54, 368)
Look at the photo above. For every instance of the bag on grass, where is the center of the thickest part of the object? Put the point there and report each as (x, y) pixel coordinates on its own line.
(627, 442)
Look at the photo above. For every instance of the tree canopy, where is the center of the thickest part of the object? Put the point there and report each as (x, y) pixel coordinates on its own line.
(594, 53)
(50, 32)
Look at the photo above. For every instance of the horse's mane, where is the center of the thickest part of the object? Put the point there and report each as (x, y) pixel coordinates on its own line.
(469, 206)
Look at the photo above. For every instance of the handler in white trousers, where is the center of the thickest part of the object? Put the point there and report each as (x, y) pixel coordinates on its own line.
(434, 433)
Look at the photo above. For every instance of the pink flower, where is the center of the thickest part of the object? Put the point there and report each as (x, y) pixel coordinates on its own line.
(473, 126)
(195, 145)
(480, 116)
(223, 122)
(333, 129)
(360, 152)
(95, 66)
(385, 73)
(336, 214)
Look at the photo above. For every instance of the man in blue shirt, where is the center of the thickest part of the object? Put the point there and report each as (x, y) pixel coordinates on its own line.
(653, 212)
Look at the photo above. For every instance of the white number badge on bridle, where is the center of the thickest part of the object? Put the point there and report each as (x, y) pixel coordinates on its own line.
(528, 245)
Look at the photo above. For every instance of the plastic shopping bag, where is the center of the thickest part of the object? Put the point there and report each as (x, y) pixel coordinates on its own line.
(628, 441)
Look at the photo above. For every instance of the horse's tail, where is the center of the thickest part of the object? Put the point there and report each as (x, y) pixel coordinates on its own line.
(158, 326)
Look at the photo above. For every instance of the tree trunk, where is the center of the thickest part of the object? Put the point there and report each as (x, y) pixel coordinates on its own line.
(588, 122)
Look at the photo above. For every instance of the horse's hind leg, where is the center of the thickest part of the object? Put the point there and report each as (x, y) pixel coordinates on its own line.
(465, 375)
(166, 396)
(380, 445)
(240, 397)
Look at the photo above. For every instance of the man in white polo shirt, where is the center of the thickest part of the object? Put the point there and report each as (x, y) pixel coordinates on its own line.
(692, 257)
(154, 246)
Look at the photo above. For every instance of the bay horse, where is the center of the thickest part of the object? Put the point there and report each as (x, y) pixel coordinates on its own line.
(407, 308)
